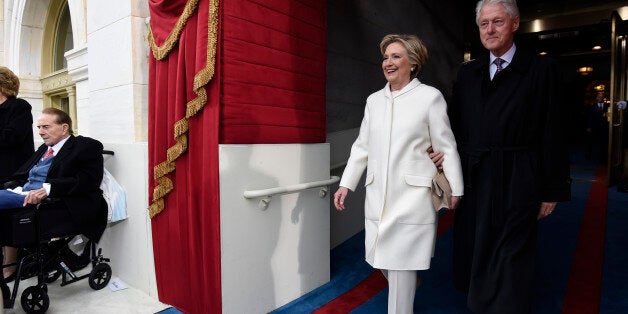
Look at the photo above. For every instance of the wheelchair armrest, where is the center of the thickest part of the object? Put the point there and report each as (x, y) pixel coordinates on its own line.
(48, 201)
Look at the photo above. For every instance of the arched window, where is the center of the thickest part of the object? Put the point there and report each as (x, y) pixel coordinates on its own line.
(63, 39)
(57, 86)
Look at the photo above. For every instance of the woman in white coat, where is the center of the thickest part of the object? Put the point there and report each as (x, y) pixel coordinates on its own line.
(400, 123)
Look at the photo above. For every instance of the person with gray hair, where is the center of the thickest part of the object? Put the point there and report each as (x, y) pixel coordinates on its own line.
(400, 122)
(508, 118)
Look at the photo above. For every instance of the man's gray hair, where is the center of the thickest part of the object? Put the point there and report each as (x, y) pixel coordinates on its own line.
(509, 5)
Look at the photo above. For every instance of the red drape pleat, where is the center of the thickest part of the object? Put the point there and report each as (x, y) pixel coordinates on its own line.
(273, 71)
(186, 234)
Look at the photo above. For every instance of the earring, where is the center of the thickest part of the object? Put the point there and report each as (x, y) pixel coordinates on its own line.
(412, 70)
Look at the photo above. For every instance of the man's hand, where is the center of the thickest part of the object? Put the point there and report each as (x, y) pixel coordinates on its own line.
(546, 209)
(35, 196)
(437, 157)
(339, 197)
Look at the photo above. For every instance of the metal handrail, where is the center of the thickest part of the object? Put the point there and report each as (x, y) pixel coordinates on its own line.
(266, 194)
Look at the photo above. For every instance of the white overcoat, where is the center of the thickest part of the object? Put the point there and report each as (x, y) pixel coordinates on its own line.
(400, 221)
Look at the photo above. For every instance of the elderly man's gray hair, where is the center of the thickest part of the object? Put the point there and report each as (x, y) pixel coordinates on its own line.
(509, 5)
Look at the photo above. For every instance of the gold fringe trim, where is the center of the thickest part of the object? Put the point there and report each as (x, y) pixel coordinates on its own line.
(201, 79)
(160, 52)
(181, 127)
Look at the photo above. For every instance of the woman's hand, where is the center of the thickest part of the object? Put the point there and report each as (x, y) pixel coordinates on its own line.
(339, 197)
(455, 201)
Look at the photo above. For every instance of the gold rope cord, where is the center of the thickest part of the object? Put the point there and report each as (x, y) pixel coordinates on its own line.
(160, 52)
(181, 127)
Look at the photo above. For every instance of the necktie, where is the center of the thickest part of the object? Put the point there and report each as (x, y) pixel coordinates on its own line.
(499, 62)
(48, 154)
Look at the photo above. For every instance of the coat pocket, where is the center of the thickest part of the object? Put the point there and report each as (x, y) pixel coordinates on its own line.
(372, 202)
(418, 180)
(413, 202)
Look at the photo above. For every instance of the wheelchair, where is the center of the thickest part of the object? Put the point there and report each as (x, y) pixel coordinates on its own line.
(44, 252)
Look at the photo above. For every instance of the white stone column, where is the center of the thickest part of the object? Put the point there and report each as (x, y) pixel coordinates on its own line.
(2, 32)
(118, 70)
(79, 22)
(77, 69)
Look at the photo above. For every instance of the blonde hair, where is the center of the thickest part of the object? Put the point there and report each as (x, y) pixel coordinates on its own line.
(9, 82)
(417, 52)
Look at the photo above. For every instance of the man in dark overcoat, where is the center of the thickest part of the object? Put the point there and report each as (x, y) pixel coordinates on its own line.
(73, 174)
(597, 128)
(507, 117)
(65, 167)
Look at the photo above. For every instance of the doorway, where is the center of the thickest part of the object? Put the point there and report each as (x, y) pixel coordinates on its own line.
(589, 42)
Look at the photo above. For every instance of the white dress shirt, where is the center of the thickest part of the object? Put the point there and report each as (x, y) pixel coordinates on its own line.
(507, 57)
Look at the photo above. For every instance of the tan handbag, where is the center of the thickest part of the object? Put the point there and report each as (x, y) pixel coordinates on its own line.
(441, 191)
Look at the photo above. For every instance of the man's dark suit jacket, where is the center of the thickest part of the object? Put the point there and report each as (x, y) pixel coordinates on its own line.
(597, 119)
(75, 176)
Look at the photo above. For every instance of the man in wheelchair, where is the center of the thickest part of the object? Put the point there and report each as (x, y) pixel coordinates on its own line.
(67, 169)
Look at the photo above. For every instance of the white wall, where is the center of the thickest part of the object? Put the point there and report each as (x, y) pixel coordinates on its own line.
(271, 257)
(350, 221)
(128, 243)
(118, 70)
(112, 102)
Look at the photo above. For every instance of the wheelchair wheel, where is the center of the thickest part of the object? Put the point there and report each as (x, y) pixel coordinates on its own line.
(35, 299)
(100, 276)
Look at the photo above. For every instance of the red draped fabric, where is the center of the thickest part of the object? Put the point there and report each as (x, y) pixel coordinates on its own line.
(273, 71)
(186, 234)
(268, 87)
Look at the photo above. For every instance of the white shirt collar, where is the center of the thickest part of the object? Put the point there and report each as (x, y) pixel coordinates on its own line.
(57, 147)
(506, 56)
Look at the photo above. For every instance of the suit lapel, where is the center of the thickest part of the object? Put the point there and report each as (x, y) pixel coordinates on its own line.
(505, 83)
(65, 151)
(38, 155)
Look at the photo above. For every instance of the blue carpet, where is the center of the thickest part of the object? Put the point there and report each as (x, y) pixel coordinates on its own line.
(557, 240)
(348, 268)
(615, 277)
(170, 310)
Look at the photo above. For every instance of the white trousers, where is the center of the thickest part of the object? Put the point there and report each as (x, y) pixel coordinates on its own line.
(401, 288)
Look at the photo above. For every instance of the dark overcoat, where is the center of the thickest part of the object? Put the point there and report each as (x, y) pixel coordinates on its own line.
(16, 135)
(512, 143)
(75, 176)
